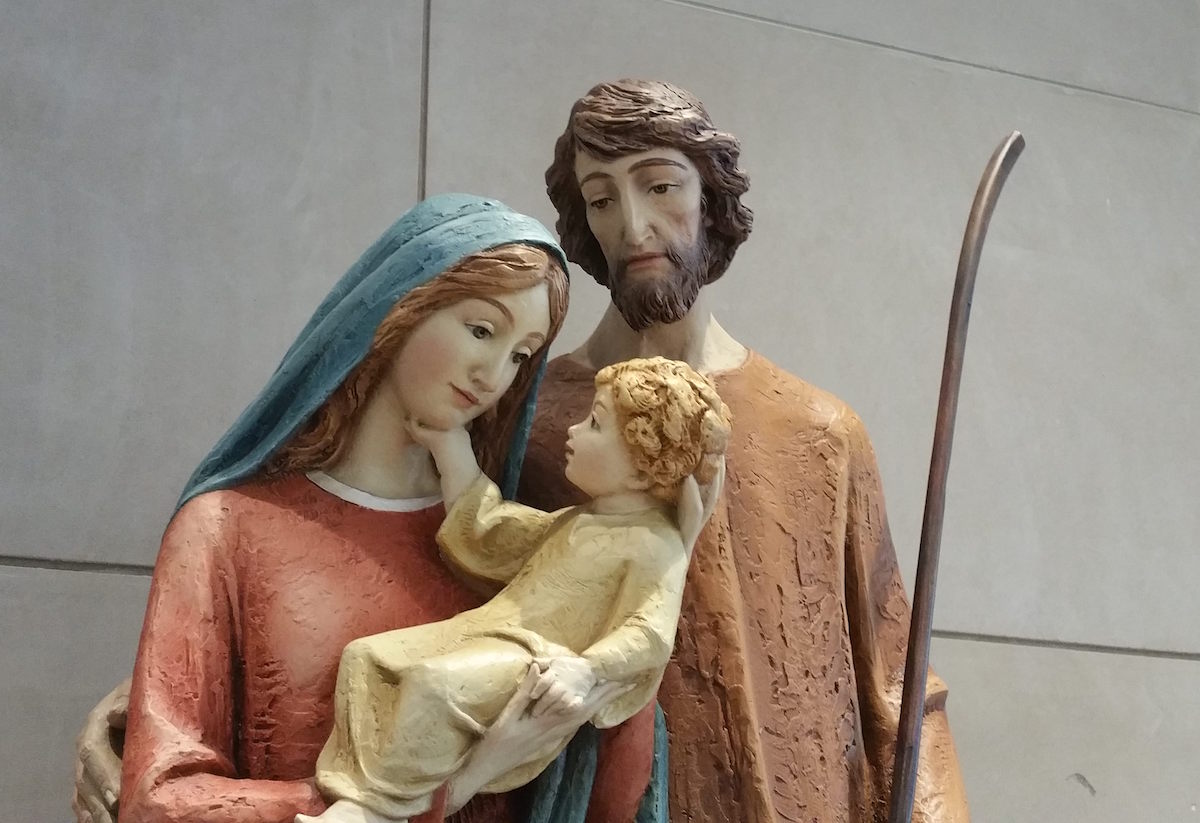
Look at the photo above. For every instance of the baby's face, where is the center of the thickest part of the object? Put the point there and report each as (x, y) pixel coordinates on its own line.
(598, 459)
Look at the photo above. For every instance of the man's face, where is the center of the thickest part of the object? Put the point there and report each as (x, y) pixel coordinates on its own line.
(645, 211)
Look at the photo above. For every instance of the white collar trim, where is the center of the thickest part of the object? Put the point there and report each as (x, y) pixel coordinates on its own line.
(369, 501)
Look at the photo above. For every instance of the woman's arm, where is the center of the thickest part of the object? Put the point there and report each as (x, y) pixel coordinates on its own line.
(180, 762)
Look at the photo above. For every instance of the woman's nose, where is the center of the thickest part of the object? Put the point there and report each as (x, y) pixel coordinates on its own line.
(488, 373)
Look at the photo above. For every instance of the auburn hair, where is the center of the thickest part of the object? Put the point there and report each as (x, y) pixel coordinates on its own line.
(323, 439)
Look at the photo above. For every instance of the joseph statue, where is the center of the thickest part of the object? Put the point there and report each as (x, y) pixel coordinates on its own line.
(782, 699)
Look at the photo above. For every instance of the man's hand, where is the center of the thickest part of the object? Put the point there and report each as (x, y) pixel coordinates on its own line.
(98, 759)
(696, 505)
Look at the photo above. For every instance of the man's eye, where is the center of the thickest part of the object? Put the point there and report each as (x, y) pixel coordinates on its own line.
(520, 357)
(595, 423)
(479, 332)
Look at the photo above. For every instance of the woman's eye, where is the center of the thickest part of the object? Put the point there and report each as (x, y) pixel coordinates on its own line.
(600, 203)
(479, 332)
(594, 422)
(520, 357)
(662, 188)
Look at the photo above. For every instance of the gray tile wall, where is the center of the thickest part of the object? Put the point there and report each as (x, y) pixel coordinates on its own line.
(182, 184)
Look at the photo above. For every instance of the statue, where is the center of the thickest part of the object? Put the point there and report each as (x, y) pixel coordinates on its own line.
(592, 597)
(782, 696)
(783, 691)
(312, 522)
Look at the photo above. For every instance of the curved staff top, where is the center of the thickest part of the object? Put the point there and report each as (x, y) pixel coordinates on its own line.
(430, 238)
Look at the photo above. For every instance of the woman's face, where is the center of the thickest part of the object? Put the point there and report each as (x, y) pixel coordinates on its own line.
(460, 360)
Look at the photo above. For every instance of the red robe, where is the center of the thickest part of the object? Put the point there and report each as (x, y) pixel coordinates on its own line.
(782, 698)
(256, 591)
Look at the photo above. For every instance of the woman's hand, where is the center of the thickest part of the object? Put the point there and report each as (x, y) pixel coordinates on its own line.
(563, 684)
(696, 505)
(522, 732)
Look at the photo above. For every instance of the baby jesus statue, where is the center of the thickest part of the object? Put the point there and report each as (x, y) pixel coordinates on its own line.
(590, 602)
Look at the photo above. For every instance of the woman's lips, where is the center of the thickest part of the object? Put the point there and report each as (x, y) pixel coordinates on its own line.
(465, 396)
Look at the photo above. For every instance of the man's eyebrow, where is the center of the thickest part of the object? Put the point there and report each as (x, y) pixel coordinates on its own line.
(593, 176)
(657, 161)
(641, 164)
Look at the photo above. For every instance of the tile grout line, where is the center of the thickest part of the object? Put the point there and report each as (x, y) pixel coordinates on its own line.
(936, 57)
(91, 566)
(140, 570)
(423, 126)
(1065, 645)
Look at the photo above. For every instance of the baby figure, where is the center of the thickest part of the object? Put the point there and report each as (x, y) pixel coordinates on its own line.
(592, 596)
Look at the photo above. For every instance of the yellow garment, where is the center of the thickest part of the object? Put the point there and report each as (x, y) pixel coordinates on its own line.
(605, 587)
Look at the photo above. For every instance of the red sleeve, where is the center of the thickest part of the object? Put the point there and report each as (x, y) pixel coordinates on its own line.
(623, 765)
(179, 760)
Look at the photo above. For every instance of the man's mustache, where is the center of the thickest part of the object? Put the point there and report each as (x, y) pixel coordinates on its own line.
(671, 252)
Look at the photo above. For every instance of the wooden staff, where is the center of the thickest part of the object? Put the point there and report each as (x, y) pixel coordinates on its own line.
(912, 703)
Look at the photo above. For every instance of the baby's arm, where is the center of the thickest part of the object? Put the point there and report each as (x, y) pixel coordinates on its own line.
(454, 457)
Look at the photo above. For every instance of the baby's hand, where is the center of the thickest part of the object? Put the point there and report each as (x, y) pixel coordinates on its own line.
(563, 684)
(439, 441)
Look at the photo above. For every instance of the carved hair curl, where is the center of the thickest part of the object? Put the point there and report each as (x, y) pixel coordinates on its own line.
(672, 417)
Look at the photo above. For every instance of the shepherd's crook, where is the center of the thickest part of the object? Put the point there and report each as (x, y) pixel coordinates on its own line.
(912, 703)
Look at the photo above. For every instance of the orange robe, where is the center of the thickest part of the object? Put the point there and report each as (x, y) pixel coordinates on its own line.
(782, 697)
(256, 591)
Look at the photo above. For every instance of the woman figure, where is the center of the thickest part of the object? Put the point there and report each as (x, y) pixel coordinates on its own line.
(312, 521)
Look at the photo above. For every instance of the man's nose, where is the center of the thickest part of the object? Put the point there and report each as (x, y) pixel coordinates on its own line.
(637, 223)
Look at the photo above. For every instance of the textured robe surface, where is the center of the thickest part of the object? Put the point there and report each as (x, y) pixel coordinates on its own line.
(605, 587)
(256, 591)
(782, 697)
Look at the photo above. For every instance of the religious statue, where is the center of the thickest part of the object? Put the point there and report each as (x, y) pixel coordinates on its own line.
(312, 521)
(592, 595)
(782, 696)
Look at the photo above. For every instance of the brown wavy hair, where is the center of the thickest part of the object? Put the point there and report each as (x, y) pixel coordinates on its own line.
(502, 270)
(628, 116)
(672, 418)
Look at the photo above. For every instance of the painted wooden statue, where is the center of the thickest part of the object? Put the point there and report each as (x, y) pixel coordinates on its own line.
(592, 598)
(312, 522)
(782, 697)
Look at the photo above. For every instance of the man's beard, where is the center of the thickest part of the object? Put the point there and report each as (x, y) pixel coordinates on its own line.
(667, 298)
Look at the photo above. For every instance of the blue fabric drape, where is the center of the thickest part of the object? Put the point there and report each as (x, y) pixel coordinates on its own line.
(427, 240)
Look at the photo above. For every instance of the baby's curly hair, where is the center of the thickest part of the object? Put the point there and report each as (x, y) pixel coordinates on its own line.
(673, 418)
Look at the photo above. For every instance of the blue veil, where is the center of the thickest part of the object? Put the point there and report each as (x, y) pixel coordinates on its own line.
(430, 238)
(427, 240)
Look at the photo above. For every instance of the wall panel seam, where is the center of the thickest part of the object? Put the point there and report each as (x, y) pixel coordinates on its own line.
(1065, 645)
(756, 18)
(90, 566)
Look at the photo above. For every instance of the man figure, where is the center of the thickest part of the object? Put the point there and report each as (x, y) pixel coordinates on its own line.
(782, 699)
